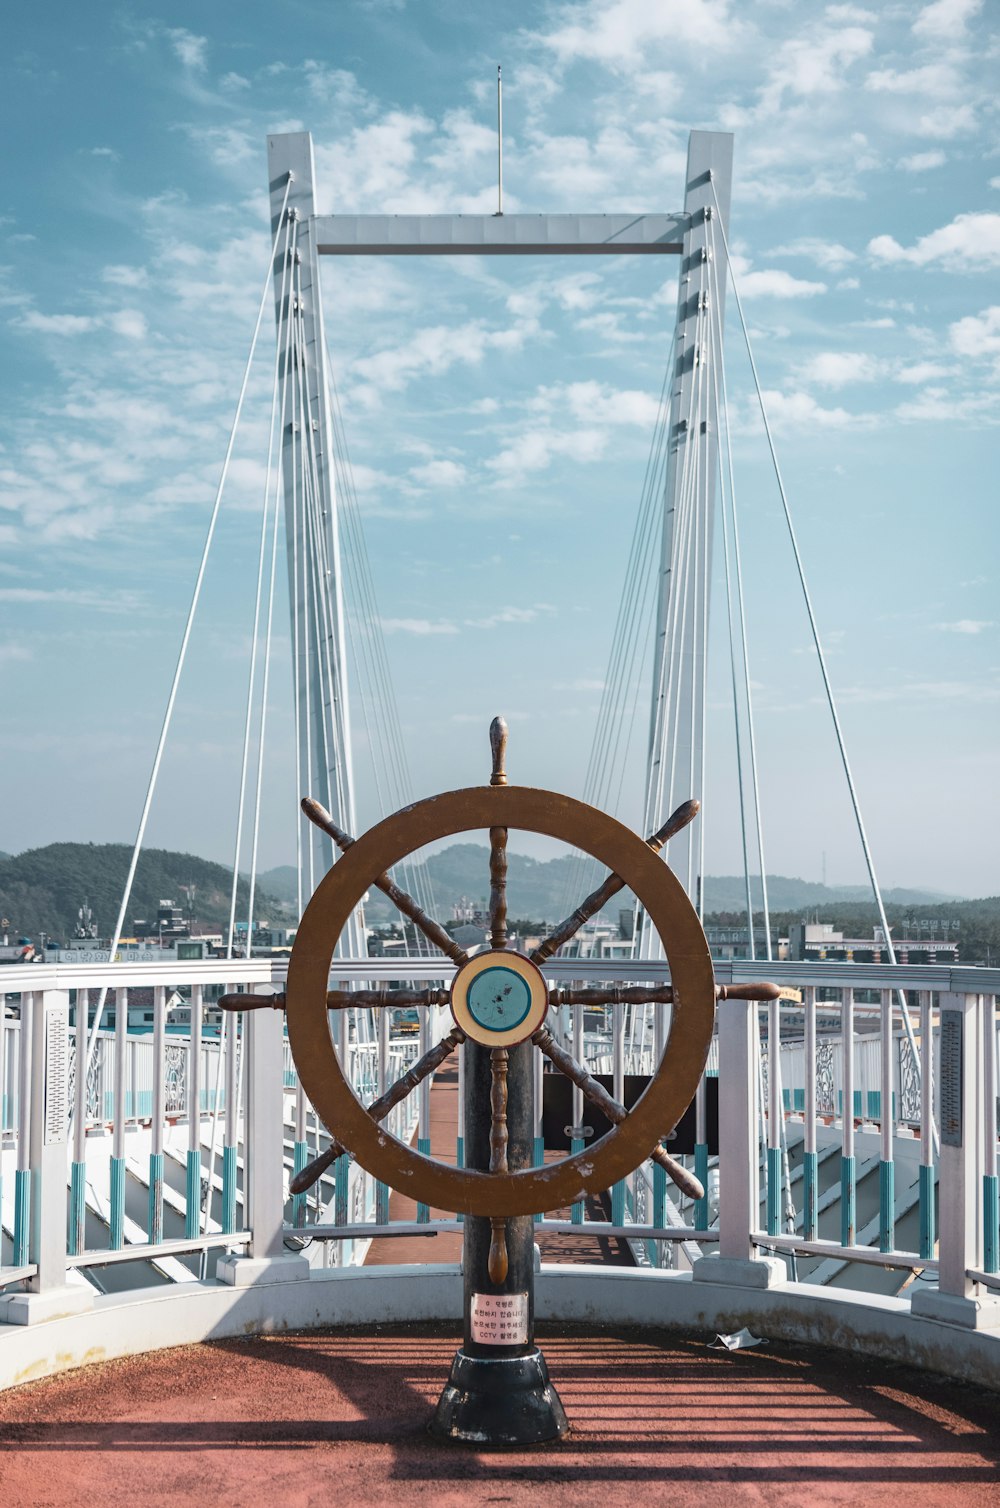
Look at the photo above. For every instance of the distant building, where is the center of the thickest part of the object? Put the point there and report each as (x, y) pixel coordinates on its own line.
(727, 943)
(820, 941)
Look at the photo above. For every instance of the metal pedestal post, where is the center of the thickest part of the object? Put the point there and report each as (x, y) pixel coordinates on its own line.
(498, 1391)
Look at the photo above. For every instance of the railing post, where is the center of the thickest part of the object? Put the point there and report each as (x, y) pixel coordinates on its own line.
(739, 1178)
(848, 1165)
(928, 1224)
(810, 1168)
(192, 1176)
(957, 1298)
(263, 1160)
(45, 1030)
(991, 1192)
(424, 1103)
(887, 1123)
(154, 1223)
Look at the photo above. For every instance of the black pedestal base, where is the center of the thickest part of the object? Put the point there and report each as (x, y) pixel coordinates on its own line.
(504, 1400)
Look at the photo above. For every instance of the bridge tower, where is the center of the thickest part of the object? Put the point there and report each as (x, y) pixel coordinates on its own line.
(676, 753)
(315, 581)
(675, 761)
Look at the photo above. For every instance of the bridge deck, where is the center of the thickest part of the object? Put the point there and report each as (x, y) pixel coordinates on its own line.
(309, 1418)
(447, 1247)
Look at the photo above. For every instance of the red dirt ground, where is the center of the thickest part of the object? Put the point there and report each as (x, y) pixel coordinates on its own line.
(327, 1416)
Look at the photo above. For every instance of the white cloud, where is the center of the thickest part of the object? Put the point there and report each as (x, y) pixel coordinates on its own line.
(977, 334)
(800, 410)
(512, 615)
(971, 241)
(126, 277)
(534, 450)
(434, 350)
(597, 403)
(946, 20)
(935, 405)
(439, 474)
(922, 162)
(55, 324)
(10, 652)
(827, 254)
(110, 602)
(933, 80)
(620, 33)
(189, 48)
(966, 626)
(419, 626)
(816, 65)
(128, 322)
(946, 121)
(772, 282)
(922, 371)
(574, 420)
(838, 368)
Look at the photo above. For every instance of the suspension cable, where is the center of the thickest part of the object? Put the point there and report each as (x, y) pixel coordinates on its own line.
(265, 682)
(182, 654)
(742, 619)
(287, 253)
(869, 861)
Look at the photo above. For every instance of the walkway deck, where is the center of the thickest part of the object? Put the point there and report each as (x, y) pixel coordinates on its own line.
(447, 1247)
(310, 1418)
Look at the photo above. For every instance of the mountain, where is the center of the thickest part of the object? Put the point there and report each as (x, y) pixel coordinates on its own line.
(537, 889)
(42, 889)
(281, 882)
(728, 893)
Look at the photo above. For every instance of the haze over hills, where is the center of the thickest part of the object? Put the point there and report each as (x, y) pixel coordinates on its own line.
(537, 888)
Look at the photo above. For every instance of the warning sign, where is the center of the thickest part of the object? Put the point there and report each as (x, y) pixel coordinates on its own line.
(500, 1319)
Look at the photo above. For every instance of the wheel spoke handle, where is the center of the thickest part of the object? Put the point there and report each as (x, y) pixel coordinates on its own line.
(340, 1000)
(661, 994)
(674, 824)
(609, 1106)
(250, 1002)
(380, 1108)
(497, 1261)
(498, 841)
(431, 929)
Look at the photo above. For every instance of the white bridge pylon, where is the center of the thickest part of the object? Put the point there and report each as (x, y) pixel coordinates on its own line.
(675, 765)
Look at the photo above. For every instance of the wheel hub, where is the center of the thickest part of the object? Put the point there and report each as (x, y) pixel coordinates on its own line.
(499, 998)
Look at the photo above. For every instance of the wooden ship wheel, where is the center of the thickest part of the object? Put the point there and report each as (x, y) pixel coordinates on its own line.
(499, 999)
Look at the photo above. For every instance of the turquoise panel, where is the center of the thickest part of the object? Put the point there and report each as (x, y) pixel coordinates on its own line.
(886, 1206)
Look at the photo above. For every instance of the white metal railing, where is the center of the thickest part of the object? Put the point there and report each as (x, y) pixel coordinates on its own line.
(179, 1144)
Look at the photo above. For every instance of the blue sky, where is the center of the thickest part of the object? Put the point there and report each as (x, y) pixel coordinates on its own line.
(499, 416)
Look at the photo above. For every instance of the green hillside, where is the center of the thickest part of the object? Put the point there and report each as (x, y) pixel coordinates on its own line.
(42, 889)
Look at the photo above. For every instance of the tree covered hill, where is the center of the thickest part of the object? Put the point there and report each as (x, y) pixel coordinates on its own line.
(42, 889)
(545, 889)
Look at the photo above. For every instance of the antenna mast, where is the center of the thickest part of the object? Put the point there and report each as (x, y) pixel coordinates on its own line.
(499, 142)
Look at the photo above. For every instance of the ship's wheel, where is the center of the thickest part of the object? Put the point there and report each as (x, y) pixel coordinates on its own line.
(499, 998)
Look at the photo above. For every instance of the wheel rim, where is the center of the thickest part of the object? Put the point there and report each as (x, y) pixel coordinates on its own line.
(674, 1080)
